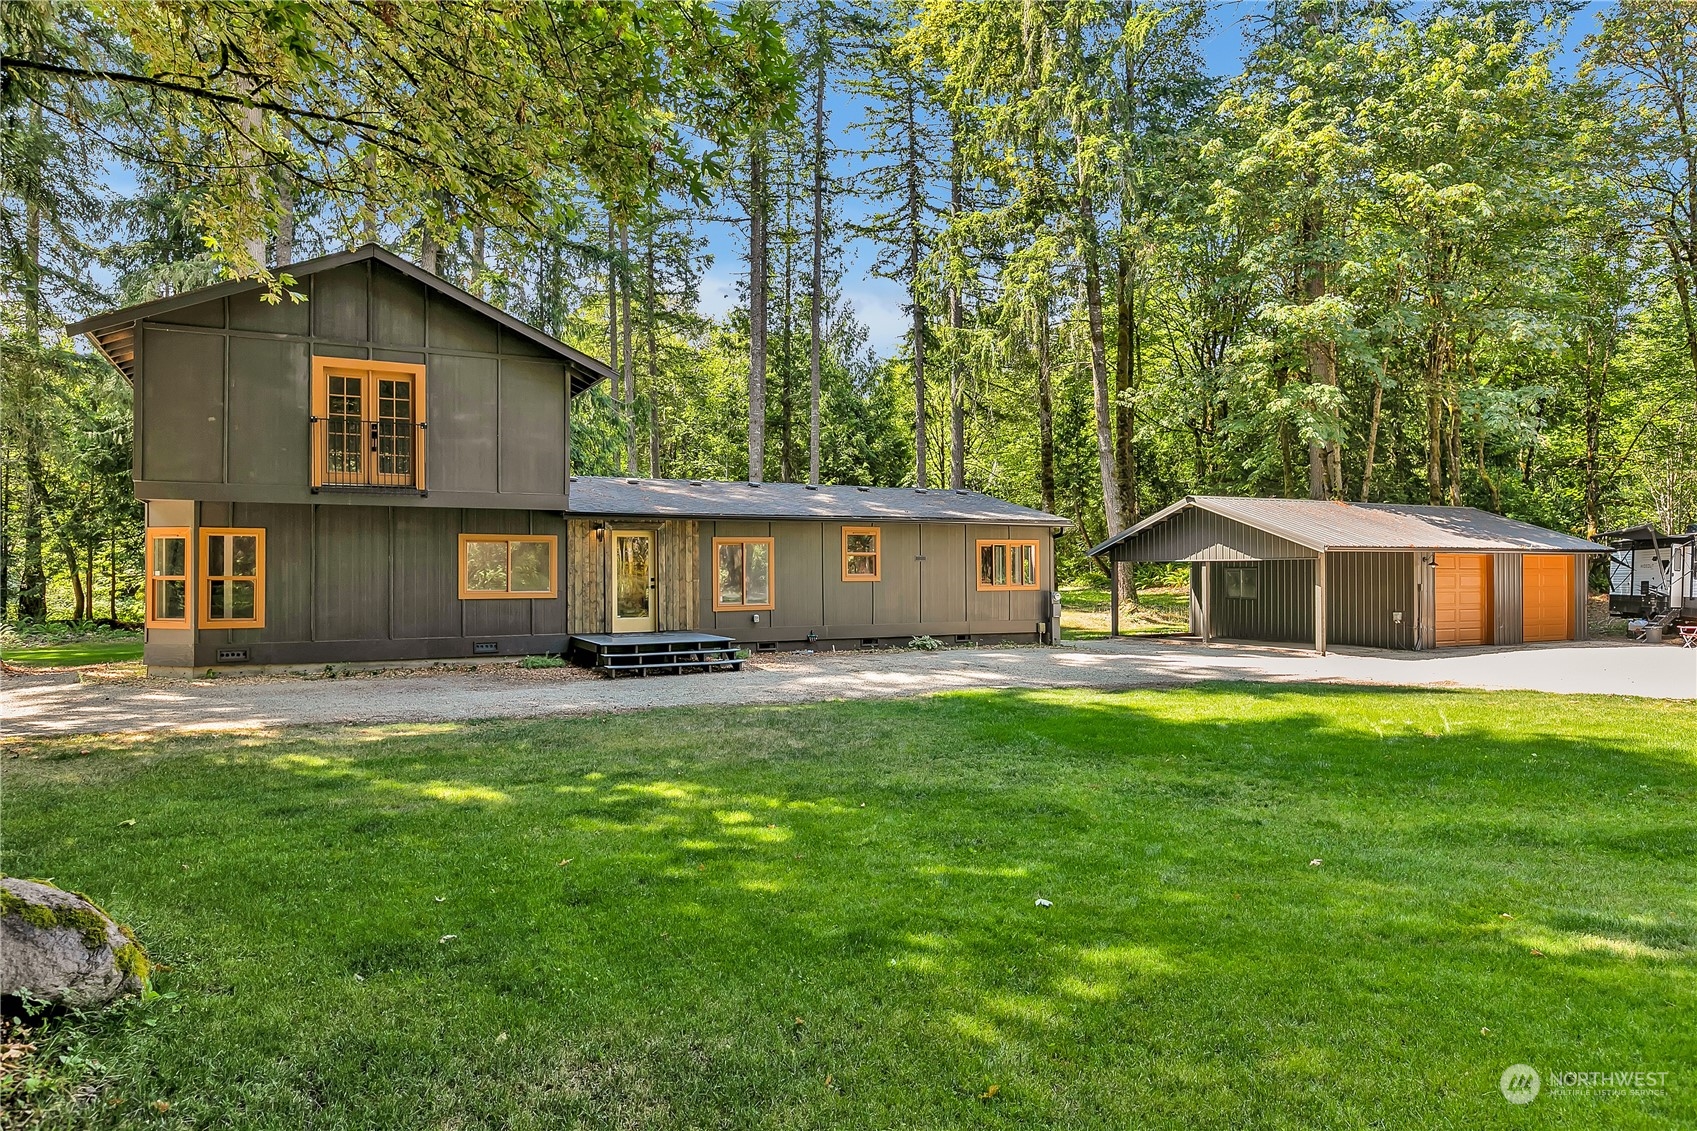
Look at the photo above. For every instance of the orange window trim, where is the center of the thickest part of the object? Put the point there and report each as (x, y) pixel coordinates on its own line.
(207, 533)
(510, 540)
(876, 553)
(348, 366)
(1013, 544)
(771, 575)
(152, 619)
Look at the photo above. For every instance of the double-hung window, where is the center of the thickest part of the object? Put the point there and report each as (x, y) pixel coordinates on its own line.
(742, 569)
(232, 577)
(510, 566)
(1007, 564)
(861, 557)
(167, 597)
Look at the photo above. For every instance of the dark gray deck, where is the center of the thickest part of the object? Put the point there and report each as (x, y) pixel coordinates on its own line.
(648, 652)
(648, 639)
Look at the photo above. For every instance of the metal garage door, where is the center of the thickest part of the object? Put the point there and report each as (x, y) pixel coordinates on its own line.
(1461, 595)
(1548, 597)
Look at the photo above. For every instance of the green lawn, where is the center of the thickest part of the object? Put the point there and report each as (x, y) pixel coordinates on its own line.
(1296, 907)
(1084, 612)
(75, 653)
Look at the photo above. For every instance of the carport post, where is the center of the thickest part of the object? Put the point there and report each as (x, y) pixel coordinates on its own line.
(1113, 596)
(1207, 602)
(1320, 603)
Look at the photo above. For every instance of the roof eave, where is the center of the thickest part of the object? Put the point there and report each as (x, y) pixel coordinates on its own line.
(587, 368)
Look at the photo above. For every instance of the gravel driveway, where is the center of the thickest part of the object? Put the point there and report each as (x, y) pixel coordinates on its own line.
(58, 705)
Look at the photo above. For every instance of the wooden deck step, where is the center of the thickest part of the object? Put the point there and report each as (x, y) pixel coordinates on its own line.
(644, 652)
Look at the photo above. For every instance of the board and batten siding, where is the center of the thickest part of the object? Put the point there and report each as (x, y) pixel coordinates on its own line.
(1364, 592)
(1283, 611)
(587, 549)
(927, 583)
(223, 396)
(1198, 535)
(368, 583)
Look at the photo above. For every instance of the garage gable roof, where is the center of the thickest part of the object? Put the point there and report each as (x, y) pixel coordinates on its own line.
(1321, 526)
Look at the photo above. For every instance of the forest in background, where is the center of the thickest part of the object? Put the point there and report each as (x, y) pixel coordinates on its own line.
(1400, 256)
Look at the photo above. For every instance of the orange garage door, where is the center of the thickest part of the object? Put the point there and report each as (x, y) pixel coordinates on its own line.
(1548, 597)
(1462, 599)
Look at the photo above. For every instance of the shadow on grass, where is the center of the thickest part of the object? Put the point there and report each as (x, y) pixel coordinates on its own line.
(1297, 904)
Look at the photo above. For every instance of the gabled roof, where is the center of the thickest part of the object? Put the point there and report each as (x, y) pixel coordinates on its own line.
(1321, 526)
(706, 498)
(113, 333)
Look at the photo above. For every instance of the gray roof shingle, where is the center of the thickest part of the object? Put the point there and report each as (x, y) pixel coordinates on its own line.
(1322, 525)
(706, 498)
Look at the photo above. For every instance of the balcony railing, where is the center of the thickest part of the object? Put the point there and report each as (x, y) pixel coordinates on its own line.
(373, 454)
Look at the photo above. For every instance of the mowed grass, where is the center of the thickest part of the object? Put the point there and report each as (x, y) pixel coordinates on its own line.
(76, 653)
(1296, 907)
(1084, 612)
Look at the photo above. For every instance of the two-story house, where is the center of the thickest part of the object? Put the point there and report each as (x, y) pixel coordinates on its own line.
(383, 472)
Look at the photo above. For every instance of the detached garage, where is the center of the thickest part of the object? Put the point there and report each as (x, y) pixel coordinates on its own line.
(1378, 575)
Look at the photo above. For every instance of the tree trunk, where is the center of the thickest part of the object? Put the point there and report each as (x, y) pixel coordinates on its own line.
(815, 305)
(1455, 453)
(1126, 343)
(957, 324)
(479, 265)
(73, 567)
(651, 342)
(786, 345)
(1099, 366)
(370, 226)
(1373, 436)
(629, 361)
(612, 300)
(916, 251)
(32, 572)
(285, 241)
(757, 308)
(1045, 410)
(1436, 349)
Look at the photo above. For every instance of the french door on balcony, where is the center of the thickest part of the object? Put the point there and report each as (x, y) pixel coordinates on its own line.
(368, 427)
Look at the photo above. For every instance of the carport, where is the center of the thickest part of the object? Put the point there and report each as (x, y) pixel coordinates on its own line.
(1379, 575)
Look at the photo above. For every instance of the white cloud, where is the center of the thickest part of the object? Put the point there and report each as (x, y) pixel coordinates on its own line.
(878, 306)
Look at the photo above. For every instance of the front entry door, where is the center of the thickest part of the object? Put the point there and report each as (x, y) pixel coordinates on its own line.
(634, 590)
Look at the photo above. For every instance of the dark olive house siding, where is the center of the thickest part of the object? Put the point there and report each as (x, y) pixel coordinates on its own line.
(927, 586)
(350, 584)
(223, 395)
(227, 442)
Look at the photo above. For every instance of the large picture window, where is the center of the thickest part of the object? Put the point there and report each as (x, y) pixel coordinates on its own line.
(861, 556)
(232, 578)
(368, 423)
(742, 574)
(167, 596)
(508, 566)
(1007, 565)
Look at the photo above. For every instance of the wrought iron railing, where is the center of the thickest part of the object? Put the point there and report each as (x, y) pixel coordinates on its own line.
(387, 454)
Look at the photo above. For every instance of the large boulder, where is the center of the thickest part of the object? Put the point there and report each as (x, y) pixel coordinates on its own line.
(59, 946)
